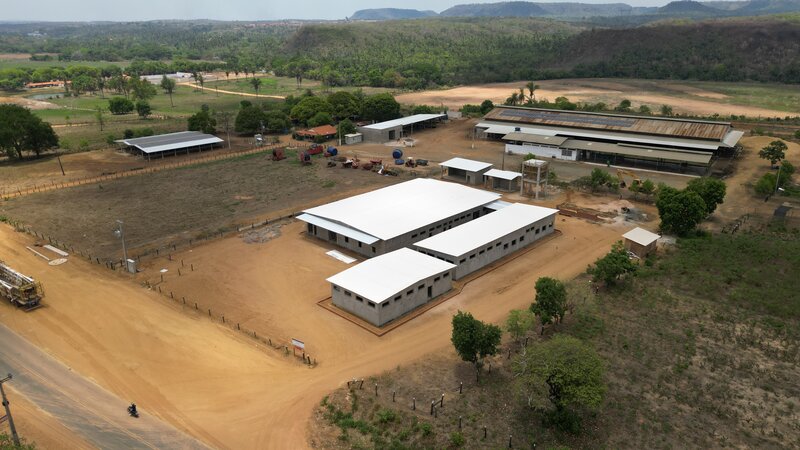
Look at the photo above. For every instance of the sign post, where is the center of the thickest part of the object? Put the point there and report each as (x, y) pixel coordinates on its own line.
(297, 344)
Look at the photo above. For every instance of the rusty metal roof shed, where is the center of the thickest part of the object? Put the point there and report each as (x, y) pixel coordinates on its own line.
(660, 126)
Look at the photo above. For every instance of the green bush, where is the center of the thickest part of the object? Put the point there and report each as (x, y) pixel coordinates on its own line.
(386, 416)
(457, 439)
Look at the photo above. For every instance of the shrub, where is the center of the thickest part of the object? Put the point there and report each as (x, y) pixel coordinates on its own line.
(457, 439)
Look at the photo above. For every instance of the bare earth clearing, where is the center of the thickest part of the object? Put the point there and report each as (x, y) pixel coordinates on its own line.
(654, 93)
(216, 384)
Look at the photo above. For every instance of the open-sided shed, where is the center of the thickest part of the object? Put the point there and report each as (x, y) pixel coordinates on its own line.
(465, 170)
(504, 180)
(170, 144)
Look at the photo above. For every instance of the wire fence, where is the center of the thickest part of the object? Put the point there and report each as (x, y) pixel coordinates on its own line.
(9, 194)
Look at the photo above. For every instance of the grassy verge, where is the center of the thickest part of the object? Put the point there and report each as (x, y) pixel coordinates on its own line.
(701, 350)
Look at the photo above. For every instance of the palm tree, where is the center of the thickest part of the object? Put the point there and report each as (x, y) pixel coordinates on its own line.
(532, 87)
(513, 99)
(256, 82)
(521, 95)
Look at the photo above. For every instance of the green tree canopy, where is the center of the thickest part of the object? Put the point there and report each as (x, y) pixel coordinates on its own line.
(380, 107)
(518, 323)
(612, 266)
(141, 89)
(168, 85)
(344, 105)
(120, 105)
(710, 189)
(486, 106)
(551, 301)
(474, 340)
(202, 121)
(309, 107)
(21, 130)
(249, 119)
(346, 126)
(681, 211)
(774, 152)
(320, 118)
(564, 369)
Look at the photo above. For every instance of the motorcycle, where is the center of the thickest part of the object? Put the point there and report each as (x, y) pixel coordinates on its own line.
(132, 410)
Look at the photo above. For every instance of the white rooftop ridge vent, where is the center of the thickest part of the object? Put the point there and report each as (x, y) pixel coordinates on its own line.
(466, 164)
(401, 208)
(641, 236)
(484, 230)
(381, 277)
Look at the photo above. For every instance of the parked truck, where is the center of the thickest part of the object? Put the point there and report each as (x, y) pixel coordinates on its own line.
(19, 289)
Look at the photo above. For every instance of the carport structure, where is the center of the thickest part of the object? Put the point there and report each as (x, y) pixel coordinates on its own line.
(465, 170)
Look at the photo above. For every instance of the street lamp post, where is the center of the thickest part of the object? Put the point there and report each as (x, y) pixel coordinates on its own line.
(14, 436)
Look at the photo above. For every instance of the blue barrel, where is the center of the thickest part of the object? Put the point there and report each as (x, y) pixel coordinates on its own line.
(397, 153)
(332, 151)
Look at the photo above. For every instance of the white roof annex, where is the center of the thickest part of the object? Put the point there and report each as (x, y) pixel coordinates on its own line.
(401, 208)
(474, 234)
(380, 278)
(468, 165)
(641, 236)
(171, 141)
(403, 121)
(503, 174)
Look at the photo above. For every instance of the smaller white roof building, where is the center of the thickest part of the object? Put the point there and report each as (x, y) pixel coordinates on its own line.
(464, 238)
(641, 236)
(503, 174)
(380, 278)
(403, 121)
(468, 165)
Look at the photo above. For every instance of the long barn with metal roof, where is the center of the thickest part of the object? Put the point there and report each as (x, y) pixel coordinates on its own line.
(170, 144)
(661, 143)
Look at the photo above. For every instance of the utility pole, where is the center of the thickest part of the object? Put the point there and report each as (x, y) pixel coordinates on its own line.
(14, 436)
(121, 234)
(58, 156)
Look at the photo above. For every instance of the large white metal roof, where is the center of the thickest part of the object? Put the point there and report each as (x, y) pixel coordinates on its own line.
(497, 128)
(339, 229)
(469, 165)
(171, 141)
(503, 174)
(477, 233)
(641, 236)
(403, 121)
(398, 209)
(380, 278)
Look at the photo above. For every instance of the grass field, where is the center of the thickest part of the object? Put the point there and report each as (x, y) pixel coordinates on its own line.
(281, 86)
(180, 204)
(701, 351)
(783, 97)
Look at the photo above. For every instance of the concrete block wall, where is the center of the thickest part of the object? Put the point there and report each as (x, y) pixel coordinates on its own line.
(382, 311)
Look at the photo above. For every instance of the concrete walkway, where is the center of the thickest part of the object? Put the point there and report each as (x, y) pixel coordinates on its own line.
(90, 411)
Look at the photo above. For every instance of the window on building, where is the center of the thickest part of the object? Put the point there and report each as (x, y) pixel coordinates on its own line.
(497, 245)
(430, 230)
(446, 274)
(413, 235)
(398, 298)
(411, 292)
(347, 293)
(370, 304)
(550, 226)
(437, 279)
(482, 252)
(359, 244)
(359, 298)
(374, 250)
(346, 239)
(514, 242)
(420, 287)
(521, 238)
(505, 246)
(336, 288)
(462, 261)
(537, 231)
(472, 256)
(384, 304)
(566, 152)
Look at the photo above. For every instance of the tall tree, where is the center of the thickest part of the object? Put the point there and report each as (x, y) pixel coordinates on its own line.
(474, 340)
(143, 109)
(774, 152)
(710, 189)
(380, 107)
(612, 266)
(681, 212)
(518, 323)
(21, 130)
(256, 82)
(202, 121)
(551, 301)
(168, 85)
(532, 87)
(565, 370)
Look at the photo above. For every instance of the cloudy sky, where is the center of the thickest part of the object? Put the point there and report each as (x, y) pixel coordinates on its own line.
(120, 10)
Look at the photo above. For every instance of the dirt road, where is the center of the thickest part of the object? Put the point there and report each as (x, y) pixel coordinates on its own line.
(82, 406)
(243, 94)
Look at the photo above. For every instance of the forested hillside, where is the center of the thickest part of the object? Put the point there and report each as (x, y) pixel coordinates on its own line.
(429, 52)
